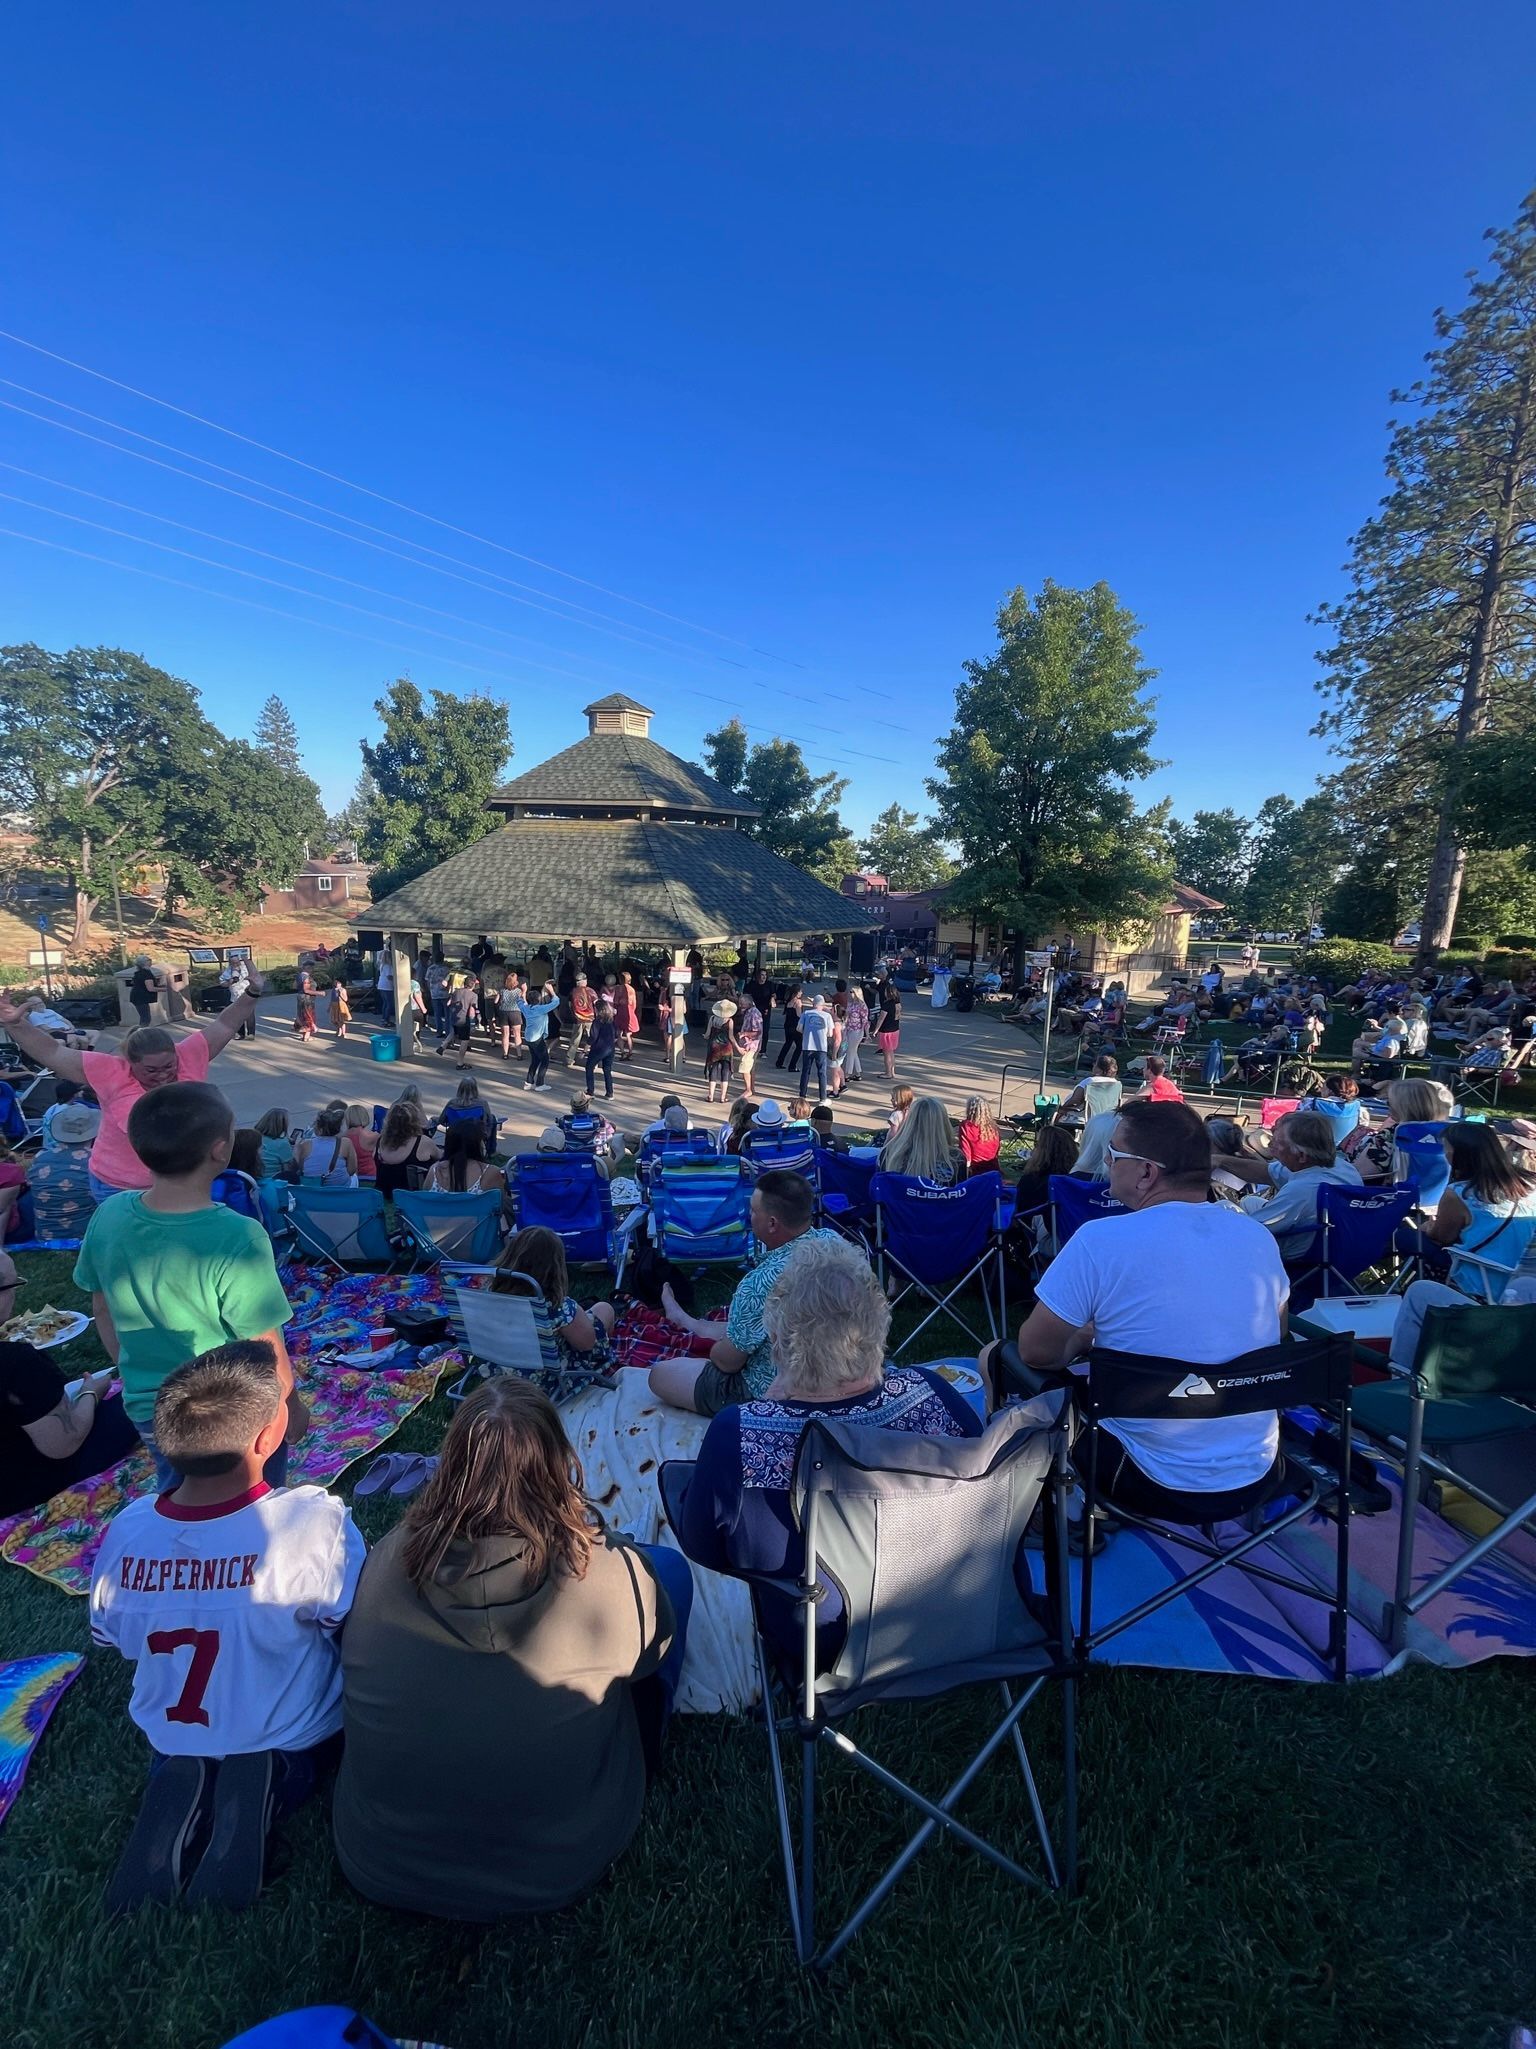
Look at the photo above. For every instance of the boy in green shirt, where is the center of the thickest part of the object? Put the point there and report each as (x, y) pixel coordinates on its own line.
(172, 1273)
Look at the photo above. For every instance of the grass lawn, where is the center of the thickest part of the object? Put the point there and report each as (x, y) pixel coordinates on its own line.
(1262, 1864)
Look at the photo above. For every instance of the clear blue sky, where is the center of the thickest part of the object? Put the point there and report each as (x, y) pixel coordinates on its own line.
(818, 330)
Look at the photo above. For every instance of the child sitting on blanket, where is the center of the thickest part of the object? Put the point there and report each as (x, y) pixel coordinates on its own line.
(583, 1337)
(172, 1273)
(226, 1597)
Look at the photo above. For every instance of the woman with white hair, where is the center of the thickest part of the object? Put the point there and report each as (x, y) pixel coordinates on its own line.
(925, 1146)
(827, 1322)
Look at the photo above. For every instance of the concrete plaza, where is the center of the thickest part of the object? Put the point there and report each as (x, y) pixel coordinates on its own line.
(942, 1053)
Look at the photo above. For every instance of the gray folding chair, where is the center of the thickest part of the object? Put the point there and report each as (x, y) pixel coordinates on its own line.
(921, 1536)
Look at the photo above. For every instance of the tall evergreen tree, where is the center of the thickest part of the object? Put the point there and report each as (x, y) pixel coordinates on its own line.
(1049, 732)
(433, 768)
(1434, 643)
(277, 735)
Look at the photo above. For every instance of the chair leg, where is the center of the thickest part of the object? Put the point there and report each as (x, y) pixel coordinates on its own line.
(1397, 1614)
(1033, 1791)
(808, 1844)
(781, 1804)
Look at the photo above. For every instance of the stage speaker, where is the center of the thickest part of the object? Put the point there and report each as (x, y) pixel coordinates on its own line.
(370, 942)
(862, 953)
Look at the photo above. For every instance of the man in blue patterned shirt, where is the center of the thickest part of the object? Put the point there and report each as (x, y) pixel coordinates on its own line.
(740, 1364)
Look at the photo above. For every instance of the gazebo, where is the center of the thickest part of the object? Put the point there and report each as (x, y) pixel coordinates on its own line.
(613, 838)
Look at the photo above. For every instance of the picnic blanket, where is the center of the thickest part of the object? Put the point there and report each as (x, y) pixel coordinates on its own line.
(30, 1690)
(352, 1412)
(622, 1438)
(1235, 1624)
(643, 1335)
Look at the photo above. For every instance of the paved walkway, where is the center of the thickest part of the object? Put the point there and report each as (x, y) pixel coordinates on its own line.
(942, 1053)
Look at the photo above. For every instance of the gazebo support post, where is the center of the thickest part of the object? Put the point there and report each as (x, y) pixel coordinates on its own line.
(679, 1000)
(845, 954)
(402, 954)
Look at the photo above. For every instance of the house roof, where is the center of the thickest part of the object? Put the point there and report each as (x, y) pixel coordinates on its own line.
(617, 701)
(1187, 899)
(672, 884)
(609, 772)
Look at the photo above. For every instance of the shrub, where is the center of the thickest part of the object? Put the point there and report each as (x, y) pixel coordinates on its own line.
(1341, 961)
(1518, 942)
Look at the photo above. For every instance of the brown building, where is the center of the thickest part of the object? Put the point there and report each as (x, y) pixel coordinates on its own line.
(339, 886)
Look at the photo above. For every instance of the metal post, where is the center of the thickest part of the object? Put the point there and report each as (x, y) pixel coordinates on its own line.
(1045, 1049)
(42, 933)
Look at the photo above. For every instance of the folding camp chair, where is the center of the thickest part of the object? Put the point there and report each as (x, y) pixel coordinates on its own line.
(1075, 1203)
(1355, 1230)
(509, 1329)
(1422, 1160)
(793, 1147)
(344, 1226)
(239, 1192)
(846, 1203)
(1473, 1382)
(937, 1241)
(700, 1212)
(570, 1198)
(446, 1225)
(1483, 1084)
(919, 1538)
(1312, 1372)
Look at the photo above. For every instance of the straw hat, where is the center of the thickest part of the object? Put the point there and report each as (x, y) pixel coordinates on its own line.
(724, 1009)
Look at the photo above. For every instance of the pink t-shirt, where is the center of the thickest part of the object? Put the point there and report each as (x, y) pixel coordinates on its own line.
(113, 1159)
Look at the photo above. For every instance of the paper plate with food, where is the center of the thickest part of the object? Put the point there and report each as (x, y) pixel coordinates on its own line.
(45, 1328)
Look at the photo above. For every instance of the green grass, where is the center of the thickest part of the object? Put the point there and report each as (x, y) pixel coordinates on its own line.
(1263, 1865)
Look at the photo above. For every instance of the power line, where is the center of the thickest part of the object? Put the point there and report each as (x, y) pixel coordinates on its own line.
(516, 554)
(281, 612)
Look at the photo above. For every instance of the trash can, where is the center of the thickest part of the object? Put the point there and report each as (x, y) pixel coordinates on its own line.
(170, 1005)
(386, 1045)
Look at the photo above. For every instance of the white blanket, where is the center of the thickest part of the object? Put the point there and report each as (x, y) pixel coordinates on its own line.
(622, 1439)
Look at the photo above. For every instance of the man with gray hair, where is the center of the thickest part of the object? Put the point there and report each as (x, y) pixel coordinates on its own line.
(827, 1319)
(1302, 1159)
(151, 1057)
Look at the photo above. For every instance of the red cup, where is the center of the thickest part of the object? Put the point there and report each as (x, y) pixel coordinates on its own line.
(380, 1340)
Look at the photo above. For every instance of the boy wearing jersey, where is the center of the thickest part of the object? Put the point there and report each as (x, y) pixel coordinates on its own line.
(226, 1597)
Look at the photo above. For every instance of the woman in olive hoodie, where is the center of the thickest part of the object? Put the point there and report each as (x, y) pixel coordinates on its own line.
(507, 1671)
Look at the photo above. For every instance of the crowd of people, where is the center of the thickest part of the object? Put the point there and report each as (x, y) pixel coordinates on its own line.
(271, 1647)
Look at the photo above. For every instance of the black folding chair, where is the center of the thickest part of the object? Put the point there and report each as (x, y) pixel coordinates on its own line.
(1313, 1373)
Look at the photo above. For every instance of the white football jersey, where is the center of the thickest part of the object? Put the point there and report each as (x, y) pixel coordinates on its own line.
(229, 1615)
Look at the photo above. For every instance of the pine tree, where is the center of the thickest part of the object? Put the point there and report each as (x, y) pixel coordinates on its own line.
(277, 735)
(1434, 644)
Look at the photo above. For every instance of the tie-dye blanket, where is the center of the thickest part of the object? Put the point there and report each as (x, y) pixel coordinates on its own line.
(352, 1412)
(30, 1690)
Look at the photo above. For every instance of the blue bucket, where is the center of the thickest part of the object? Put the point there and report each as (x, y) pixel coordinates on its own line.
(386, 1045)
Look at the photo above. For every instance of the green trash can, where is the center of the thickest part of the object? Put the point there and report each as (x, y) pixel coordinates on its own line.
(386, 1045)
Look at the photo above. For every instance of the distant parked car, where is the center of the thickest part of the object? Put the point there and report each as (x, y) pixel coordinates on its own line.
(1407, 940)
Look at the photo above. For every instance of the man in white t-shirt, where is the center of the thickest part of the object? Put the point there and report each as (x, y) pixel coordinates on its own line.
(226, 1597)
(1180, 1278)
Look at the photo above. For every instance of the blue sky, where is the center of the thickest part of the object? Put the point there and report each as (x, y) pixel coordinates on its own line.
(817, 332)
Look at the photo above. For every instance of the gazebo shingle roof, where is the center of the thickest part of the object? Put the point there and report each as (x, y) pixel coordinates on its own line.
(623, 771)
(671, 884)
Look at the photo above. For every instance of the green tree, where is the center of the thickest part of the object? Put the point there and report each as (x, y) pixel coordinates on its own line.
(1432, 642)
(839, 857)
(278, 736)
(351, 821)
(1498, 896)
(433, 769)
(1212, 854)
(797, 811)
(241, 826)
(1033, 786)
(905, 851)
(93, 745)
(1296, 854)
(1367, 901)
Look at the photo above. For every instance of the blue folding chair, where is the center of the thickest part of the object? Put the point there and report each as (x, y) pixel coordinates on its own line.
(792, 1147)
(701, 1212)
(343, 1226)
(1075, 1203)
(568, 1196)
(447, 1225)
(380, 1113)
(1355, 1229)
(1424, 1160)
(14, 1128)
(846, 1202)
(238, 1192)
(937, 1241)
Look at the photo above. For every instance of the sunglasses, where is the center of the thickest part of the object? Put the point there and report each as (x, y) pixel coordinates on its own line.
(1113, 1153)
